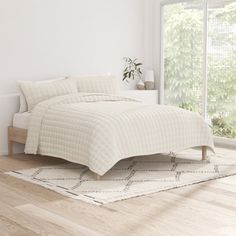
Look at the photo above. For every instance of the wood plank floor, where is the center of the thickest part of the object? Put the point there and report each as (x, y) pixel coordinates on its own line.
(27, 209)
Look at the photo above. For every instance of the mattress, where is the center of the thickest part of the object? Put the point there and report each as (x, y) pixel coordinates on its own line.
(21, 120)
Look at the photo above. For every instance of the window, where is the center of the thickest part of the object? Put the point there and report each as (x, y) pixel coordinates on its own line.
(199, 60)
(221, 59)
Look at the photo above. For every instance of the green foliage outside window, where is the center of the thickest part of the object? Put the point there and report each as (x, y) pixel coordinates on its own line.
(183, 63)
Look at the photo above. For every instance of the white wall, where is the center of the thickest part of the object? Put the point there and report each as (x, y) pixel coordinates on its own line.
(43, 39)
(8, 106)
(48, 38)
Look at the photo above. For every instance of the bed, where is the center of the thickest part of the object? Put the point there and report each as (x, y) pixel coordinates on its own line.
(99, 129)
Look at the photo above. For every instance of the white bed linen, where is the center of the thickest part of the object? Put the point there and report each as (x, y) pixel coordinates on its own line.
(97, 84)
(98, 130)
(37, 92)
(23, 103)
(21, 120)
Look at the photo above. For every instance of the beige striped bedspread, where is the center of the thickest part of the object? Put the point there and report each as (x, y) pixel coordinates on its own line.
(98, 130)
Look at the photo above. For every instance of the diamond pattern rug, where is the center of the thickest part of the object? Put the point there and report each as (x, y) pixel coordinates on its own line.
(133, 177)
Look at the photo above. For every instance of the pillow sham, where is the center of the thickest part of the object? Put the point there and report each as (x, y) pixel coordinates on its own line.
(35, 92)
(97, 84)
(23, 103)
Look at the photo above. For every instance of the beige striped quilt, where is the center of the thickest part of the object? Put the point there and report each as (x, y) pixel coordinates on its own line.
(98, 130)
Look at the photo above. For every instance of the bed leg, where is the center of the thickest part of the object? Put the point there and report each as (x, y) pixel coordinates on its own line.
(98, 177)
(204, 153)
(10, 143)
(10, 148)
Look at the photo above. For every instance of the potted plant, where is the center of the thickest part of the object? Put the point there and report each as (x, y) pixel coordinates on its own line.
(132, 69)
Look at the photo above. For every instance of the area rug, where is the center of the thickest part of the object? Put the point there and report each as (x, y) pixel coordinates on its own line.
(133, 177)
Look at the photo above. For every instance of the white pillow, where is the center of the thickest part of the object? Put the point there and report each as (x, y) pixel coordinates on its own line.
(37, 92)
(97, 84)
(23, 103)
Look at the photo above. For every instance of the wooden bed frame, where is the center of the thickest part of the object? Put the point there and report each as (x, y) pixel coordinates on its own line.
(17, 135)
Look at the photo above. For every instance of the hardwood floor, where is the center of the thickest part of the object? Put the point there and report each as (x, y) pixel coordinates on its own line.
(28, 209)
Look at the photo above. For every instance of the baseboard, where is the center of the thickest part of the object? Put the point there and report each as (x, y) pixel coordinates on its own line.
(17, 150)
(225, 142)
(3, 153)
